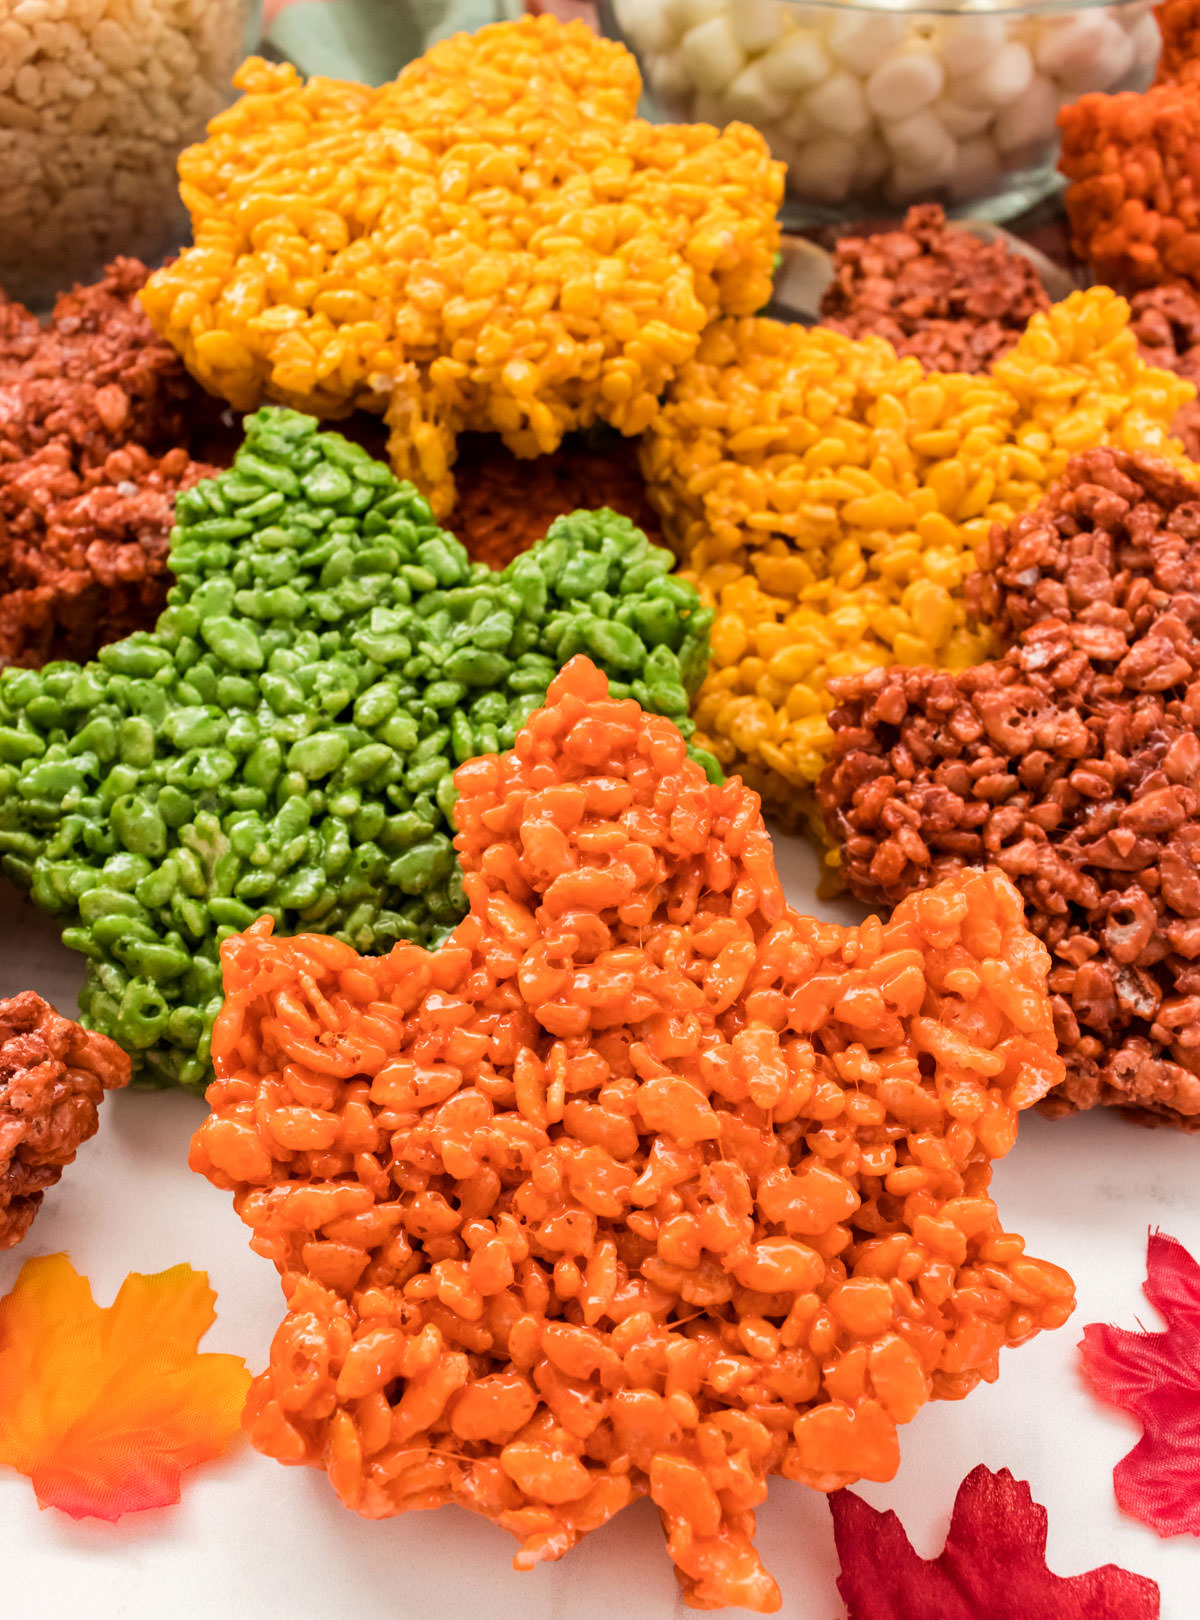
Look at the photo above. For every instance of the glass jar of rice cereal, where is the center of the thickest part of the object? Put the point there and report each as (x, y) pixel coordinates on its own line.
(97, 100)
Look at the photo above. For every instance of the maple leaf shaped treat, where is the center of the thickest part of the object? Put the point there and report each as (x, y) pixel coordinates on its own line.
(1156, 1376)
(993, 1566)
(1132, 161)
(490, 242)
(642, 1184)
(104, 1408)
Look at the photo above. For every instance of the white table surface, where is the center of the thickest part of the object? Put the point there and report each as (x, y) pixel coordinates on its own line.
(252, 1540)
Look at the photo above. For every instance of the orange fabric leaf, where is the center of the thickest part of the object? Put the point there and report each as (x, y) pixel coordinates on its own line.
(103, 1408)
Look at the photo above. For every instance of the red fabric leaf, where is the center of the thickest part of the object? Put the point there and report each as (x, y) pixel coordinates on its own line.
(993, 1566)
(1156, 1376)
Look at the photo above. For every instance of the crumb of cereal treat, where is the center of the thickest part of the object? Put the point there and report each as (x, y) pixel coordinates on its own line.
(99, 427)
(1072, 763)
(83, 554)
(53, 1076)
(933, 290)
(1110, 548)
(95, 374)
(1166, 323)
(641, 1184)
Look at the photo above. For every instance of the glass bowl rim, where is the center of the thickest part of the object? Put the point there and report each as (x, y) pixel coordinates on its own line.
(924, 8)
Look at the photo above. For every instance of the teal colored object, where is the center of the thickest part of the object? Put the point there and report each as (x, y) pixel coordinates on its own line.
(283, 742)
(371, 40)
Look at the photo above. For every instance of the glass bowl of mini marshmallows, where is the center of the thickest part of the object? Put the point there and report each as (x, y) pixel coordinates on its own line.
(877, 106)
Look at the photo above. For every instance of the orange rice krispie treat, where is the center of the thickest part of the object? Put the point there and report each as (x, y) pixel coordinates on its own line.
(640, 1185)
(1133, 161)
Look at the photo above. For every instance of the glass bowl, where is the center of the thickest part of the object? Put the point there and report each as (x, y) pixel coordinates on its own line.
(877, 106)
(97, 100)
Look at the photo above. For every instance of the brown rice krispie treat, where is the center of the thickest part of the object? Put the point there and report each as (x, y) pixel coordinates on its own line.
(100, 426)
(53, 1076)
(1072, 763)
(1166, 323)
(504, 505)
(933, 290)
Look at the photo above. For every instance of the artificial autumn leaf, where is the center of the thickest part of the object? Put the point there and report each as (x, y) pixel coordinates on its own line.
(1156, 1376)
(105, 1408)
(993, 1566)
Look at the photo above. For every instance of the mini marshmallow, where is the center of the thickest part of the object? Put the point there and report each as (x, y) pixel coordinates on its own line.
(1114, 61)
(874, 161)
(961, 121)
(709, 108)
(782, 150)
(1035, 155)
(908, 184)
(905, 185)
(864, 42)
(823, 170)
(1146, 40)
(749, 98)
(807, 16)
(798, 127)
(711, 54)
(795, 63)
(1085, 52)
(756, 24)
(839, 105)
(673, 14)
(999, 81)
(976, 169)
(691, 13)
(919, 141)
(648, 24)
(904, 84)
(1031, 118)
(966, 43)
(671, 84)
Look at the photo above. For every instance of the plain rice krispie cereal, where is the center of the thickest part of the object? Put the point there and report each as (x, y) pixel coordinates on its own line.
(97, 99)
